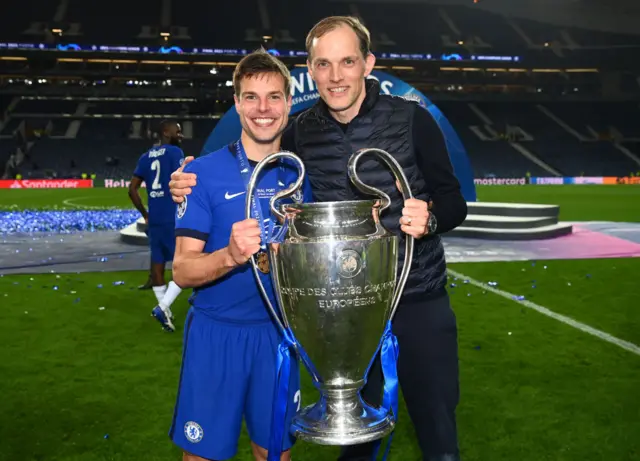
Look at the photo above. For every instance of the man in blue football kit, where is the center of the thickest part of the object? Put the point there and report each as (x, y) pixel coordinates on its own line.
(154, 169)
(230, 340)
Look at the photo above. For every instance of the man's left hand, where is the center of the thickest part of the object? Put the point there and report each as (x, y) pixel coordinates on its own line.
(415, 215)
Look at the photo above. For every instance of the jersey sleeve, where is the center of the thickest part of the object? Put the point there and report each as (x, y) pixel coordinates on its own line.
(193, 216)
(178, 158)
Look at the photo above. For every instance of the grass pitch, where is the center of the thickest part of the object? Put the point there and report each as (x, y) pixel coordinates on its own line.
(84, 383)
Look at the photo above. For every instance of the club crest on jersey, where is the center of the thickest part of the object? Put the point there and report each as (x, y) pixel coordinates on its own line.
(182, 208)
(193, 432)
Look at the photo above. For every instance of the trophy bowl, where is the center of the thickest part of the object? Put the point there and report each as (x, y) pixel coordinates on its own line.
(335, 277)
(334, 273)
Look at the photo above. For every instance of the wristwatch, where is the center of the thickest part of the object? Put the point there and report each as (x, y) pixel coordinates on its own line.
(432, 224)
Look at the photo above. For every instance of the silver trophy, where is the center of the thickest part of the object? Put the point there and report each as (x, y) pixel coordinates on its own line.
(335, 281)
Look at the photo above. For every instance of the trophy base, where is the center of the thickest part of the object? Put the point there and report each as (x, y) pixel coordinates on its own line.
(342, 420)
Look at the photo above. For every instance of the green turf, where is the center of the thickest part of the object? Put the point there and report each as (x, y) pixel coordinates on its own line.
(577, 203)
(73, 373)
(68, 199)
(572, 287)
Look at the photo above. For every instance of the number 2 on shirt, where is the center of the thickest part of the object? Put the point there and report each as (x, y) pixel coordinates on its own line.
(155, 166)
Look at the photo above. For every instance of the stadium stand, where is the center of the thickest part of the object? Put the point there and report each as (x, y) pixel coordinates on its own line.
(112, 25)
(562, 108)
(571, 138)
(189, 23)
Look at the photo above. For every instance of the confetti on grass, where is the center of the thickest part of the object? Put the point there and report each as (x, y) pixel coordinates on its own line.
(65, 222)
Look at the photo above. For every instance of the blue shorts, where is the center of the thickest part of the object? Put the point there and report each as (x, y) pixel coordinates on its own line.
(162, 241)
(228, 372)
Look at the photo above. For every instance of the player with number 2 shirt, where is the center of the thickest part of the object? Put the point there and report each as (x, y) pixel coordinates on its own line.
(154, 169)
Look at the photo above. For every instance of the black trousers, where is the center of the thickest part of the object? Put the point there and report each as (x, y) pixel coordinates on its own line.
(428, 375)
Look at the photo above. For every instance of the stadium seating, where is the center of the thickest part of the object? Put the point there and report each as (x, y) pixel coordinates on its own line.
(119, 25)
(503, 139)
(10, 126)
(216, 24)
(492, 29)
(291, 20)
(425, 28)
(24, 19)
(550, 124)
(35, 106)
(549, 133)
(415, 20)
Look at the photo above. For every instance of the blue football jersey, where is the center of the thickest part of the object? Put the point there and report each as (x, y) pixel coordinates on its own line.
(155, 167)
(208, 214)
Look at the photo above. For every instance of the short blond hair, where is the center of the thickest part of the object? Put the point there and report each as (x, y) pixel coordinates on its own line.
(260, 62)
(326, 25)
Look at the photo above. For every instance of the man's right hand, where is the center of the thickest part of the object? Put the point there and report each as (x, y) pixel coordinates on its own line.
(181, 183)
(244, 240)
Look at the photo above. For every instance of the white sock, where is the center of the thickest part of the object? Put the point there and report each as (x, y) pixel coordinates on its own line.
(159, 292)
(173, 291)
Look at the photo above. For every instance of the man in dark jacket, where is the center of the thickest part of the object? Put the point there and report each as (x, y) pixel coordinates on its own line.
(352, 114)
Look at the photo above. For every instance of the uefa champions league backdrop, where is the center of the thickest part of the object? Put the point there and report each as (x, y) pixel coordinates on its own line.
(305, 95)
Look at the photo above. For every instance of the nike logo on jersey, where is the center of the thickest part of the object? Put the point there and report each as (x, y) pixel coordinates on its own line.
(229, 196)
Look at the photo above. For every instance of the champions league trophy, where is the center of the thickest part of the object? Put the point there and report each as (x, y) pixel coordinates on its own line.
(334, 272)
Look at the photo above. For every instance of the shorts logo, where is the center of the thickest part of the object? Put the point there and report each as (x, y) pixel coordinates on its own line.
(193, 432)
(182, 208)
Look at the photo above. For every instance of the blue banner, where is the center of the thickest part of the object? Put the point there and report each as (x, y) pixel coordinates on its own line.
(304, 95)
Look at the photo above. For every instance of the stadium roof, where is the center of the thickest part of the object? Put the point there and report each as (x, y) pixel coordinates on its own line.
(620, 16)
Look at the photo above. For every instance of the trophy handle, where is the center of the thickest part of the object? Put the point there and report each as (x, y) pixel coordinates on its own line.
(398, 173)
(286, 193)
(253, 180)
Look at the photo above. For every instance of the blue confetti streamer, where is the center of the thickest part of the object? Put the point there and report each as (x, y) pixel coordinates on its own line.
(64, 222)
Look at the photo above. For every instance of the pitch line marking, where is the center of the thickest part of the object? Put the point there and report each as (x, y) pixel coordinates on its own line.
(549, 313)
(70, 202)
